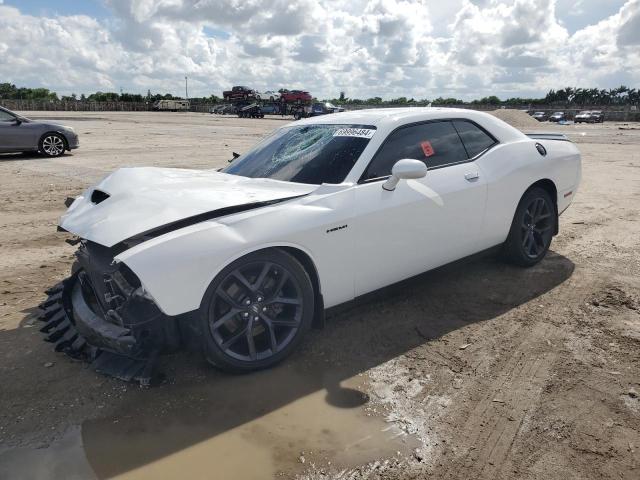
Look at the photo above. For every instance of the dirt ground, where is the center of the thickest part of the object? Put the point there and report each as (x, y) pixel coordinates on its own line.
(476, 370)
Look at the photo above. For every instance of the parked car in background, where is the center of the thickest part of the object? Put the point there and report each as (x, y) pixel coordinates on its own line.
(597, 116)
(583, 117)
(238, 93)
(268, 95)
(333, 108)
(540, 116)
(20, 134)
(324, 109)
(239, 264)
(271, 109)
(225, 109)
(557, 117)
(590, 116)
(295, 96)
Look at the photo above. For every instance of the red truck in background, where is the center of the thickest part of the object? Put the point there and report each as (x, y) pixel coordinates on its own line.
(295, 96)
(238, 93)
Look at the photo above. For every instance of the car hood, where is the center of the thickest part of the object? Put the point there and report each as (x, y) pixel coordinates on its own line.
(138, 200)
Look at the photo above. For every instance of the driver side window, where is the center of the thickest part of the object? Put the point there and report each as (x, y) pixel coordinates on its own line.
(6, 116)
(435, 143)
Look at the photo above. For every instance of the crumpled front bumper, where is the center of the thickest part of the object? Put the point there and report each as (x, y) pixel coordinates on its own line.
(102, 316)
(97, 330)
(59, 325)
(76, 330)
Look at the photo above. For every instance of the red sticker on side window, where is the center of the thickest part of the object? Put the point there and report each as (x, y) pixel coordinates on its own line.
(427, 149)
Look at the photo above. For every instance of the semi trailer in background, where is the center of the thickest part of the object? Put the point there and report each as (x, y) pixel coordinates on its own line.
(171, 105)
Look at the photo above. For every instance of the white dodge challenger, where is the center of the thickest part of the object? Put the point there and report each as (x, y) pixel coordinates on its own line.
(239, 263)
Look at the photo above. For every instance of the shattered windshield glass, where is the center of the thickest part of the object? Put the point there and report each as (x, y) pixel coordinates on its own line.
(312, 154)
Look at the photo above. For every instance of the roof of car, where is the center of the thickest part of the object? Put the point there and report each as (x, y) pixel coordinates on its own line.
(372, 116)
(394, 117)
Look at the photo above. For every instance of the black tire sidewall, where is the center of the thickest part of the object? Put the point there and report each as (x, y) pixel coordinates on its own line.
(513, 246)
(212, 351)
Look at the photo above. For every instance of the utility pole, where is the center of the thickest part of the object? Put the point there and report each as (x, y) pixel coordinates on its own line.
(186, 88)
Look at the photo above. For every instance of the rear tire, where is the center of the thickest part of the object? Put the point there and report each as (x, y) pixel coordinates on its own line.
(256, 311)
(532, 228)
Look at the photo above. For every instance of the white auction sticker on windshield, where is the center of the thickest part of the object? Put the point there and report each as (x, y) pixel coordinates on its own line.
(354, 132)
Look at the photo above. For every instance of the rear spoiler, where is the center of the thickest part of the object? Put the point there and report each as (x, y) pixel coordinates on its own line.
(548, 136)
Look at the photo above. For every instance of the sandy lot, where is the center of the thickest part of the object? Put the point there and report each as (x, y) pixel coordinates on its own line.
(477, 370)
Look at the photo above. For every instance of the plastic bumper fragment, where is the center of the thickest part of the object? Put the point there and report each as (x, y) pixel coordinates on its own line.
(74, 329)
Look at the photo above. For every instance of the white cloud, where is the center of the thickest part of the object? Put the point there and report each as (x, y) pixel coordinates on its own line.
(387, 48)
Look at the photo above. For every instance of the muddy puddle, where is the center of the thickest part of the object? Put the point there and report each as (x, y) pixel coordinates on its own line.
(240, 429)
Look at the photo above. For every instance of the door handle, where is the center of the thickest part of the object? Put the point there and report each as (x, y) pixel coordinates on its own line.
(471, 176)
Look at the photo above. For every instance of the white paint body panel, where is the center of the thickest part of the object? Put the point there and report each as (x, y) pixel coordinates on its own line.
(420, 225)
(389, 236)
(144, 198)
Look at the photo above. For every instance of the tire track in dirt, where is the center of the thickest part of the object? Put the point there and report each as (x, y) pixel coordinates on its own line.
(496, 421)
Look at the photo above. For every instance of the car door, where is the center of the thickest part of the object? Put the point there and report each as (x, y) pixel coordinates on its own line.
(423, 223)
(16, 135)
(8, 137)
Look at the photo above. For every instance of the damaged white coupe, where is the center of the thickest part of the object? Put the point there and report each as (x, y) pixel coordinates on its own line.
(239, 263)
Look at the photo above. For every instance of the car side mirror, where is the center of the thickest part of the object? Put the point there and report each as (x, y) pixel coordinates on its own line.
(405, 169)
(17, 121)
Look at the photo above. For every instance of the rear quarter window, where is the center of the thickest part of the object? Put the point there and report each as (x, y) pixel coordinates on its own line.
(475, 139)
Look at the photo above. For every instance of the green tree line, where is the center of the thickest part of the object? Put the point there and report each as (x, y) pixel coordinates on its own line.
(567, 96)
(11, 92)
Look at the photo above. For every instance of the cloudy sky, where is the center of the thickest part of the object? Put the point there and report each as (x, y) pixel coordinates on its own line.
(386, 48)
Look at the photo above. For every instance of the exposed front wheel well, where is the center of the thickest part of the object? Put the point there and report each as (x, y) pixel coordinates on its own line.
(551, 189)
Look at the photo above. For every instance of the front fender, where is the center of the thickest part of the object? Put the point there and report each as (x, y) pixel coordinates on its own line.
(176, 268)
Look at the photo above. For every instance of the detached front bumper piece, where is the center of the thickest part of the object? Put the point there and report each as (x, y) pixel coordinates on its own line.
(75, 330)
(101, 315)
(59, 327)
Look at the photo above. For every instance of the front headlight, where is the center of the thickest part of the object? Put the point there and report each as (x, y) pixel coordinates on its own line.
(68, 128)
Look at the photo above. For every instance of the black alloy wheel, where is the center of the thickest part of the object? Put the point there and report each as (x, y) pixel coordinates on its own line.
(257, 310)
(536, 228)
(532, 229)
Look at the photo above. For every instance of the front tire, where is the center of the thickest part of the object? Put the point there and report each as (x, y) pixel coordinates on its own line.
(256, 311)
(52, 145)
(532, 228)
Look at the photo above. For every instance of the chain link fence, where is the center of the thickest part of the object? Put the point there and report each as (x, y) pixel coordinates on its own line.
(612, 113)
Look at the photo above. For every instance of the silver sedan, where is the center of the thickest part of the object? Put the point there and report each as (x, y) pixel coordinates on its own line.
(20, 134)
